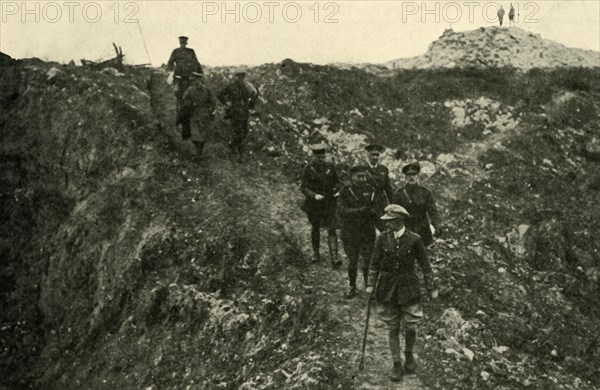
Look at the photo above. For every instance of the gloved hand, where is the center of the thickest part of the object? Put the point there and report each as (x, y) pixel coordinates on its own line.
(170, 78)
(319, 197)
(370, 289)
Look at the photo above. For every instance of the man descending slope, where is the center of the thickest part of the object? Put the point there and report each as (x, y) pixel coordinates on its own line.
(393, 276)
(358, 212)
(198, 112)
(182, 62)
(419, 202)
(239, 96)
(379, 178)
(319, 186)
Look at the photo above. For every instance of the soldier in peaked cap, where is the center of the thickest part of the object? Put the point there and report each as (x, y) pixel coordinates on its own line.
(393, 276)
(319, 186)
(358, 212)
(239, 96)
(419, 202)
(197, 112)
(379, 178)
(182, 62)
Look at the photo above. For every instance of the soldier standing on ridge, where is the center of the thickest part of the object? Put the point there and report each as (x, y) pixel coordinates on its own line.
(197, 112)
(418, 201)
(239, 96)
(501, 15)
(357, 210)
(183, 62)
(392, 275)
(511, 15)
(380, 180)
(319, 186)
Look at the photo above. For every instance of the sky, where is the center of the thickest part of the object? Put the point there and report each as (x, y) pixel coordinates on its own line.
(257, 32)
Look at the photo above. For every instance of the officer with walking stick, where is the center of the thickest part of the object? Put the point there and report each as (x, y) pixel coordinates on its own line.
(393, 281)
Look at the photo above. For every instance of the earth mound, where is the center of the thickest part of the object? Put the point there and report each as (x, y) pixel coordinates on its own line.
(496, 47)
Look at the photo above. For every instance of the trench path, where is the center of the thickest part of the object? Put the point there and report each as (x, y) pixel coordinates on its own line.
(333, 283)
(352, 312)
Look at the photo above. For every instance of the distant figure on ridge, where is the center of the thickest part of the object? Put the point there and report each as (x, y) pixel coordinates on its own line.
(239, 96)
(511, 15)
(197, 112)
(501, 14)
(183, 62)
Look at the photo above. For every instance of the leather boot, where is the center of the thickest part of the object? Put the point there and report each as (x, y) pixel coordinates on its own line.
(333, 251)
(410, 365)
(316, 247)
(396, 373)
(351, 293)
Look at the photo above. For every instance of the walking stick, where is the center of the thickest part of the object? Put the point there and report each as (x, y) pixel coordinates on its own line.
(361, 365)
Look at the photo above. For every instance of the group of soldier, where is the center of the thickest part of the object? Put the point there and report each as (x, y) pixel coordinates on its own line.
(384, 233)
(196, 102)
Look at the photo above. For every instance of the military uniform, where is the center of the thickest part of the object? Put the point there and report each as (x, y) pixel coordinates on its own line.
(197, 107)
(395, 258)
(241, 99)
(379, 178)
(393, 275)
(419, 202)
(357, 211)
(320, 178)
(183, 63)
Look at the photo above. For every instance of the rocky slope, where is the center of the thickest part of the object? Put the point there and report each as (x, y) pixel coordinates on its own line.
(497, 47)
(129, 264)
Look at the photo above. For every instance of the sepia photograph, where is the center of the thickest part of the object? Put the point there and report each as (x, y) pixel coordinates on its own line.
(309, 195)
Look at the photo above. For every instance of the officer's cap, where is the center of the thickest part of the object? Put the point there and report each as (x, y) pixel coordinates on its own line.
(374, 148)
(183, 38)
(357, 169)
(394, 211)
(318, 148)
(411, 169)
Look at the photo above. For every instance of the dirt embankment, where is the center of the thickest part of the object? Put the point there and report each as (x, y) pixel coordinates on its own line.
(130, 265)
